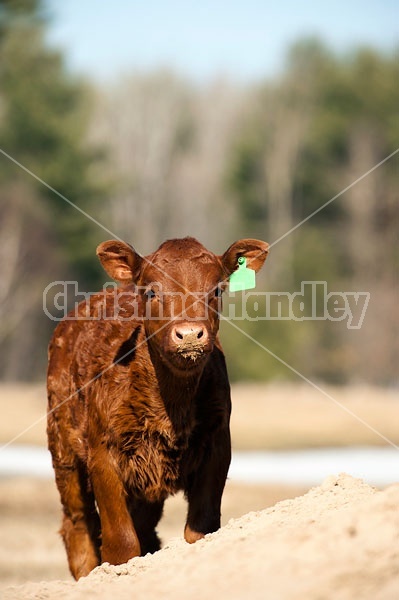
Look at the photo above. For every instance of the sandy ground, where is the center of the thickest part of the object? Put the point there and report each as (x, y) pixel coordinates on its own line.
(340, 540)
(30, 513)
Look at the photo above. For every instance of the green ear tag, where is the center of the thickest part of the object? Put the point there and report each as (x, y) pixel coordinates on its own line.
(243, 278)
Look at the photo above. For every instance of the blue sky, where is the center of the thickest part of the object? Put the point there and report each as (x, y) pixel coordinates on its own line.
(246, 40)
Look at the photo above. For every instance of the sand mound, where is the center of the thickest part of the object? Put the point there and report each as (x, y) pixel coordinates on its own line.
(340, 540)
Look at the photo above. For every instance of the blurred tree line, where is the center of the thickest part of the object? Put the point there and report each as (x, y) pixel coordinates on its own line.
(155, 156)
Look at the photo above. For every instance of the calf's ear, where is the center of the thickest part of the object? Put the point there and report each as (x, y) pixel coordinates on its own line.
(255, 251)
(120, 261)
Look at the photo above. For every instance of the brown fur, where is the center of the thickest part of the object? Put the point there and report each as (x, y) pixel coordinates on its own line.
(139, 408)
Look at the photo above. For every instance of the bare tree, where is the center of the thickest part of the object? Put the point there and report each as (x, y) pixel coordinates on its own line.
(24, 271)
(140, 121)
(287, 125)
(204, 206)
(371, 234)
(167, 145)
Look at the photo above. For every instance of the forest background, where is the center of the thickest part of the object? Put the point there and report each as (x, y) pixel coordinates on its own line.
(156, 155)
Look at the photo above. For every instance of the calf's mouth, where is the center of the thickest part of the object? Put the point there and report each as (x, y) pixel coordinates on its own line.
(191, 350)
(187, 358)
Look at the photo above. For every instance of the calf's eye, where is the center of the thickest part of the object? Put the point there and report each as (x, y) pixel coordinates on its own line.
(218, 292)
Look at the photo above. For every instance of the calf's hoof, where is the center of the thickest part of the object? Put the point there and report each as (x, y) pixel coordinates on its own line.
(192, 536)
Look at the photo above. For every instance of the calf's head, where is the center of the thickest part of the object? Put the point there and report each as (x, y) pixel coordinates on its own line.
(179, 287)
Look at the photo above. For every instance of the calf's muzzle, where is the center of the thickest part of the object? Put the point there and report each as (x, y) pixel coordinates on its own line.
(187, 335)
(189, 339)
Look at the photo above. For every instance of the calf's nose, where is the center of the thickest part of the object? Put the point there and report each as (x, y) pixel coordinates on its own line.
(189, 335)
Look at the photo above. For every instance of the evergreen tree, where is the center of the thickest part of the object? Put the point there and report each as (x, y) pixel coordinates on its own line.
(44, 113)
(43, 119)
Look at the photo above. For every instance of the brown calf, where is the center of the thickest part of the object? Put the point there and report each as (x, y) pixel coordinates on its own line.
(139, 402)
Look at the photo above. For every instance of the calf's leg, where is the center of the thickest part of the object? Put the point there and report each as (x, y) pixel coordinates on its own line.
(205, 488)
(119, 538)
(145, 516)
(80, 525)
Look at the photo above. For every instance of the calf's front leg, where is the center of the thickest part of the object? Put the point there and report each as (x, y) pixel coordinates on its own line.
(119, 539)
(205, 488)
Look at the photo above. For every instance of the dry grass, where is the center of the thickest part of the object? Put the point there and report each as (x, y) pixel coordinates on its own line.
(299, 416)
(264, 416)
(23, 410)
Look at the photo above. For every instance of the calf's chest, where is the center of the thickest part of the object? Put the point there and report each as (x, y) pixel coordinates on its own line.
(152, 444)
